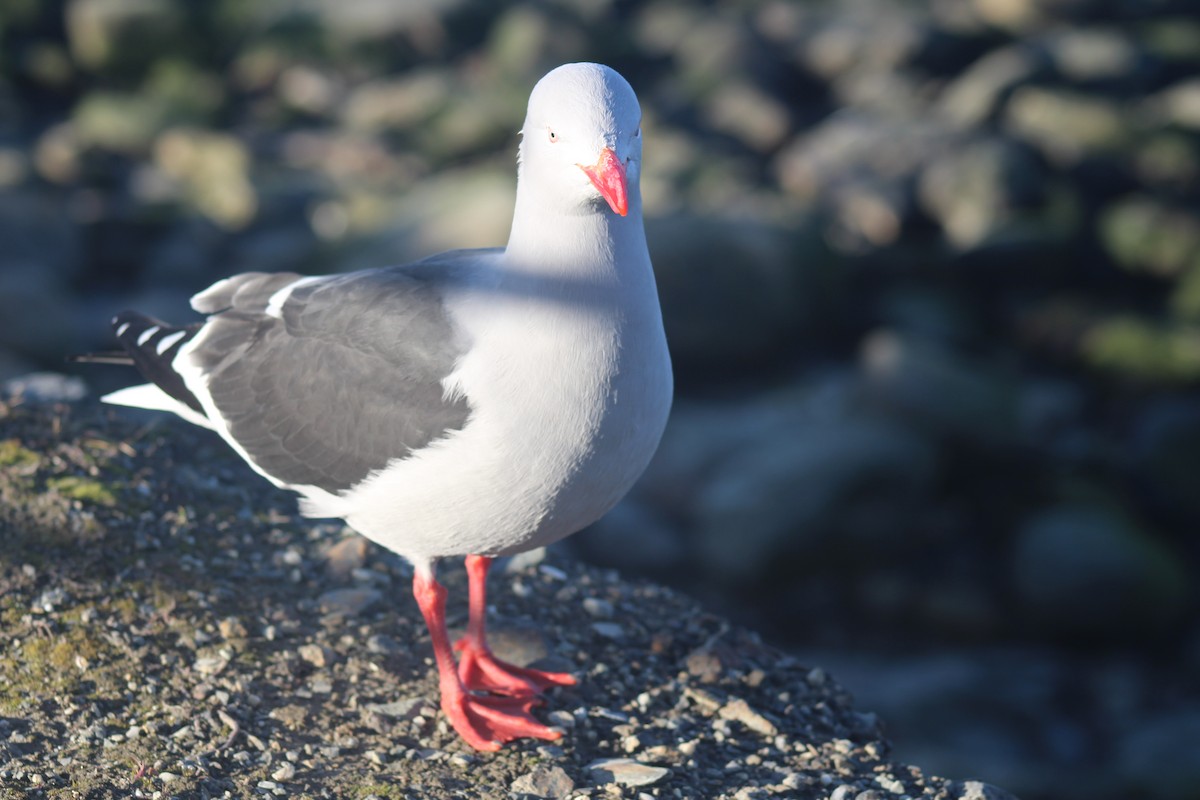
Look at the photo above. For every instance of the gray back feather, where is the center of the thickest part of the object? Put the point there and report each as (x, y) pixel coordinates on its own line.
(346, 379)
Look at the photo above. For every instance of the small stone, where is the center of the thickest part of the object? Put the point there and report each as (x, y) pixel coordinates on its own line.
(46, 387)
(167, 777)
(704, 665)
(232, 628)
(749, 793)
(626, 772)
(49, 600)
(597, 607)
(520, 645)
(705, 701)
(317, 655)
(527, 560)
(551, 571)
(844, 792)
(285, 772)
(383, 645)
(348, 602)
(210, 665)
(294, 717)
(977, 790)
(609, 630)
(375, 757)
(739, 711)
(1066, 125)
(346, 556)
(889, 783)
(404, 708)
(551, 783)
(562, 719)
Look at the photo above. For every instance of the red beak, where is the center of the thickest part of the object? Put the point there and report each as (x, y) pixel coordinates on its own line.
(608, 176)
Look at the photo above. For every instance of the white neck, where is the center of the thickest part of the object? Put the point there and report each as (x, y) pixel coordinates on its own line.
(553, 238)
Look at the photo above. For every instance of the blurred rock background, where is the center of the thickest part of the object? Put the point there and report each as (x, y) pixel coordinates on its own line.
(930, 271)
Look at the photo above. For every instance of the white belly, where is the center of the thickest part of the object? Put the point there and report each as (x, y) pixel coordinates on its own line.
(567, 411)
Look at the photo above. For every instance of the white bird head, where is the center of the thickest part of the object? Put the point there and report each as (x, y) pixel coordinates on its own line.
(582, 138)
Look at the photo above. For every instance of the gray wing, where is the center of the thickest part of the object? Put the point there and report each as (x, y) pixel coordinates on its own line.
(337, 380)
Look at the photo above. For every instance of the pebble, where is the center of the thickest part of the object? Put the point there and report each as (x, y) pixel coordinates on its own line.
(527, 560)
(286, 772)
(551, 571)
(49, 600)
(609, 630)
(317, 655)
(347, 555)
(978, 790)
(626, 772)
(739, 711)
(889, 783)
(210, 665)
(597, 607)
(843, 792)
(383, 645)
(704, 665)
(404, 708)
(348, 602)
(705, 701)
(550, 783)
(232, 628)
(561, 719)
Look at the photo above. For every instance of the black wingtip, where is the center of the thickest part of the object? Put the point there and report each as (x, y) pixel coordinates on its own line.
(151, 345)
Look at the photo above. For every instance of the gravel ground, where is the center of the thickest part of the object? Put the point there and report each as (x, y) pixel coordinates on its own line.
(170, 627)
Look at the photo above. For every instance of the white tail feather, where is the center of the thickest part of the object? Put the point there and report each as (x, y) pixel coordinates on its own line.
(149, 396)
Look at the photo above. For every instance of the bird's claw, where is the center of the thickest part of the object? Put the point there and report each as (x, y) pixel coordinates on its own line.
(486, 721)
(479, 670)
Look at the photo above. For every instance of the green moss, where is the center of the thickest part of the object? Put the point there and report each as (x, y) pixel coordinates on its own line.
(45, 667)
(119, 121)
(1185, 300)
(84, 489)
(126, 608)
(12, 454)
(1143, 235)
(1143, 350)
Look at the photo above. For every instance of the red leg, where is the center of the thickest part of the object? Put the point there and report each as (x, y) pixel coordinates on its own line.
(484, 722)
(477, 667)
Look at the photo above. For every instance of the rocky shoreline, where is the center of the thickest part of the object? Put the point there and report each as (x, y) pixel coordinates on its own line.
(171, 628)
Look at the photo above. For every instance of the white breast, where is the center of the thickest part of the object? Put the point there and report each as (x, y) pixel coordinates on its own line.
(569, 403)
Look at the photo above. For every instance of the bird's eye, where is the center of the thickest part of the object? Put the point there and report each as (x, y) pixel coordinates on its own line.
(553, 137)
